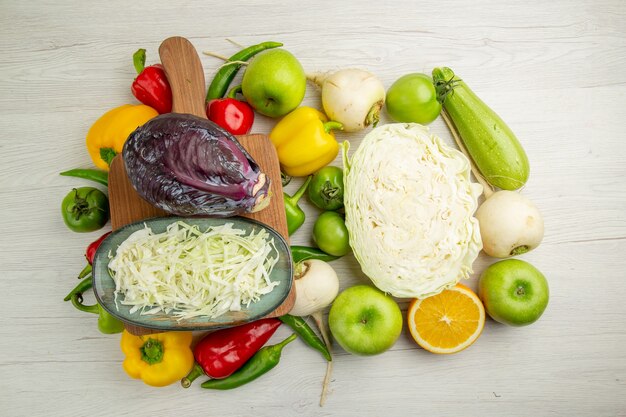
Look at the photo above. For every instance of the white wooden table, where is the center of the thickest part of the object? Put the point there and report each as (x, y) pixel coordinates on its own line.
(553, 70)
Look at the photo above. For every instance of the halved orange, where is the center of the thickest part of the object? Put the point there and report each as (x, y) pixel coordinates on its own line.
(447, 322)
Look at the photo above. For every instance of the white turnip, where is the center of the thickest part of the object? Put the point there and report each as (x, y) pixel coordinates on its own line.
(352, 97)
(510, 224)
(317, 286)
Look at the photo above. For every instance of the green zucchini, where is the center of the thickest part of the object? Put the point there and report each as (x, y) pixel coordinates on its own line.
(490, 143)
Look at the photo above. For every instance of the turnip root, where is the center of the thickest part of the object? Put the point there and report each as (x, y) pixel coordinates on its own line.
(317, 286)
(510, 224)
(352, 97)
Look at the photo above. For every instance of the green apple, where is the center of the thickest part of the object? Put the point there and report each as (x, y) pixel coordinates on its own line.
(364, 320)
(514, 292)
(413, 98)
(274, 83)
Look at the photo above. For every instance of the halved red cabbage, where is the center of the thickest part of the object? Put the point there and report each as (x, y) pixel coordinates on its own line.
(189, 166)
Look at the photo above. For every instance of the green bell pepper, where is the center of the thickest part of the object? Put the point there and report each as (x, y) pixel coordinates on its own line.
(295, 215)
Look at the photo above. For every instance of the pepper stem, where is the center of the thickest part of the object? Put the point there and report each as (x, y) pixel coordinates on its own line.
(152, 351)
(81, 206)
(107, 155)
(285, 342)
(139, 60)
(195, 372)
(77, 301)
(328, 192)
(232, 93)
(294, 198)
(332, 125)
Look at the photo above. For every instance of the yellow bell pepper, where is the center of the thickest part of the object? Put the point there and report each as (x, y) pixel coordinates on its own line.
(158, 359)
(106, 137)
(304, 141)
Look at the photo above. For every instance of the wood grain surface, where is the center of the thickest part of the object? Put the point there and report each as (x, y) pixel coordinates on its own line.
(552, 70)
(185, 74)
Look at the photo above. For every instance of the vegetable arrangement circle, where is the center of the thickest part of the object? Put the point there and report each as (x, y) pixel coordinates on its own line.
(409, 206)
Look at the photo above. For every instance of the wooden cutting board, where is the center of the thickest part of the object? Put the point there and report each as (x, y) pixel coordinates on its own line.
(184, 72)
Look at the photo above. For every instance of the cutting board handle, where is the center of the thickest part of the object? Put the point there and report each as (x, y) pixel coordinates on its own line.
(184, 72)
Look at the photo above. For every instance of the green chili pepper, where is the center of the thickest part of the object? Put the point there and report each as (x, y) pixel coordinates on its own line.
(86, 271)
(295, 215)
(302, 253)
(107, 324)
(97, 175)
(307, 334)
(82, 286)
(262, 362)
(226, 74)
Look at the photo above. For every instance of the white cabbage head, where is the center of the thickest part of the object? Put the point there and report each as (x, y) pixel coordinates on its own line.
(409, 206)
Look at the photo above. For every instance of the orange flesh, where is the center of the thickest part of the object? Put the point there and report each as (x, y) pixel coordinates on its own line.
(447, 319)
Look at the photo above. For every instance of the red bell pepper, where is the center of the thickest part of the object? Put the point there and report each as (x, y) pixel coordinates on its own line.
(90, 253)
(151, 86)
(233, 115)
(222, 352)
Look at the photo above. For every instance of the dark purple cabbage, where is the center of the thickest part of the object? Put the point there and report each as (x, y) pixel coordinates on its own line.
(189, 166)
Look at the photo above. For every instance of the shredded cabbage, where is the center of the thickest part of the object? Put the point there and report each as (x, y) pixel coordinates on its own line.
(190, 273)
(409, 203)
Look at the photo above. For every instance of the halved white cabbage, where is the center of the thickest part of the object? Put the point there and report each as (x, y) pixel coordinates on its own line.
(409, 206)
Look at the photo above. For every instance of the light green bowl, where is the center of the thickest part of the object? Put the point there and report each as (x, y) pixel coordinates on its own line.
(104, 286)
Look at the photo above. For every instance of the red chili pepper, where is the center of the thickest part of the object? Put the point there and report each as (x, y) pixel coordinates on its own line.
(222, 352)
(233, 115)
(151, 86)
(90, 253)
(93, 247)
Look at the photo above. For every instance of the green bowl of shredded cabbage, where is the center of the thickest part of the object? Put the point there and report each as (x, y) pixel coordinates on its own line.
(174, 273)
